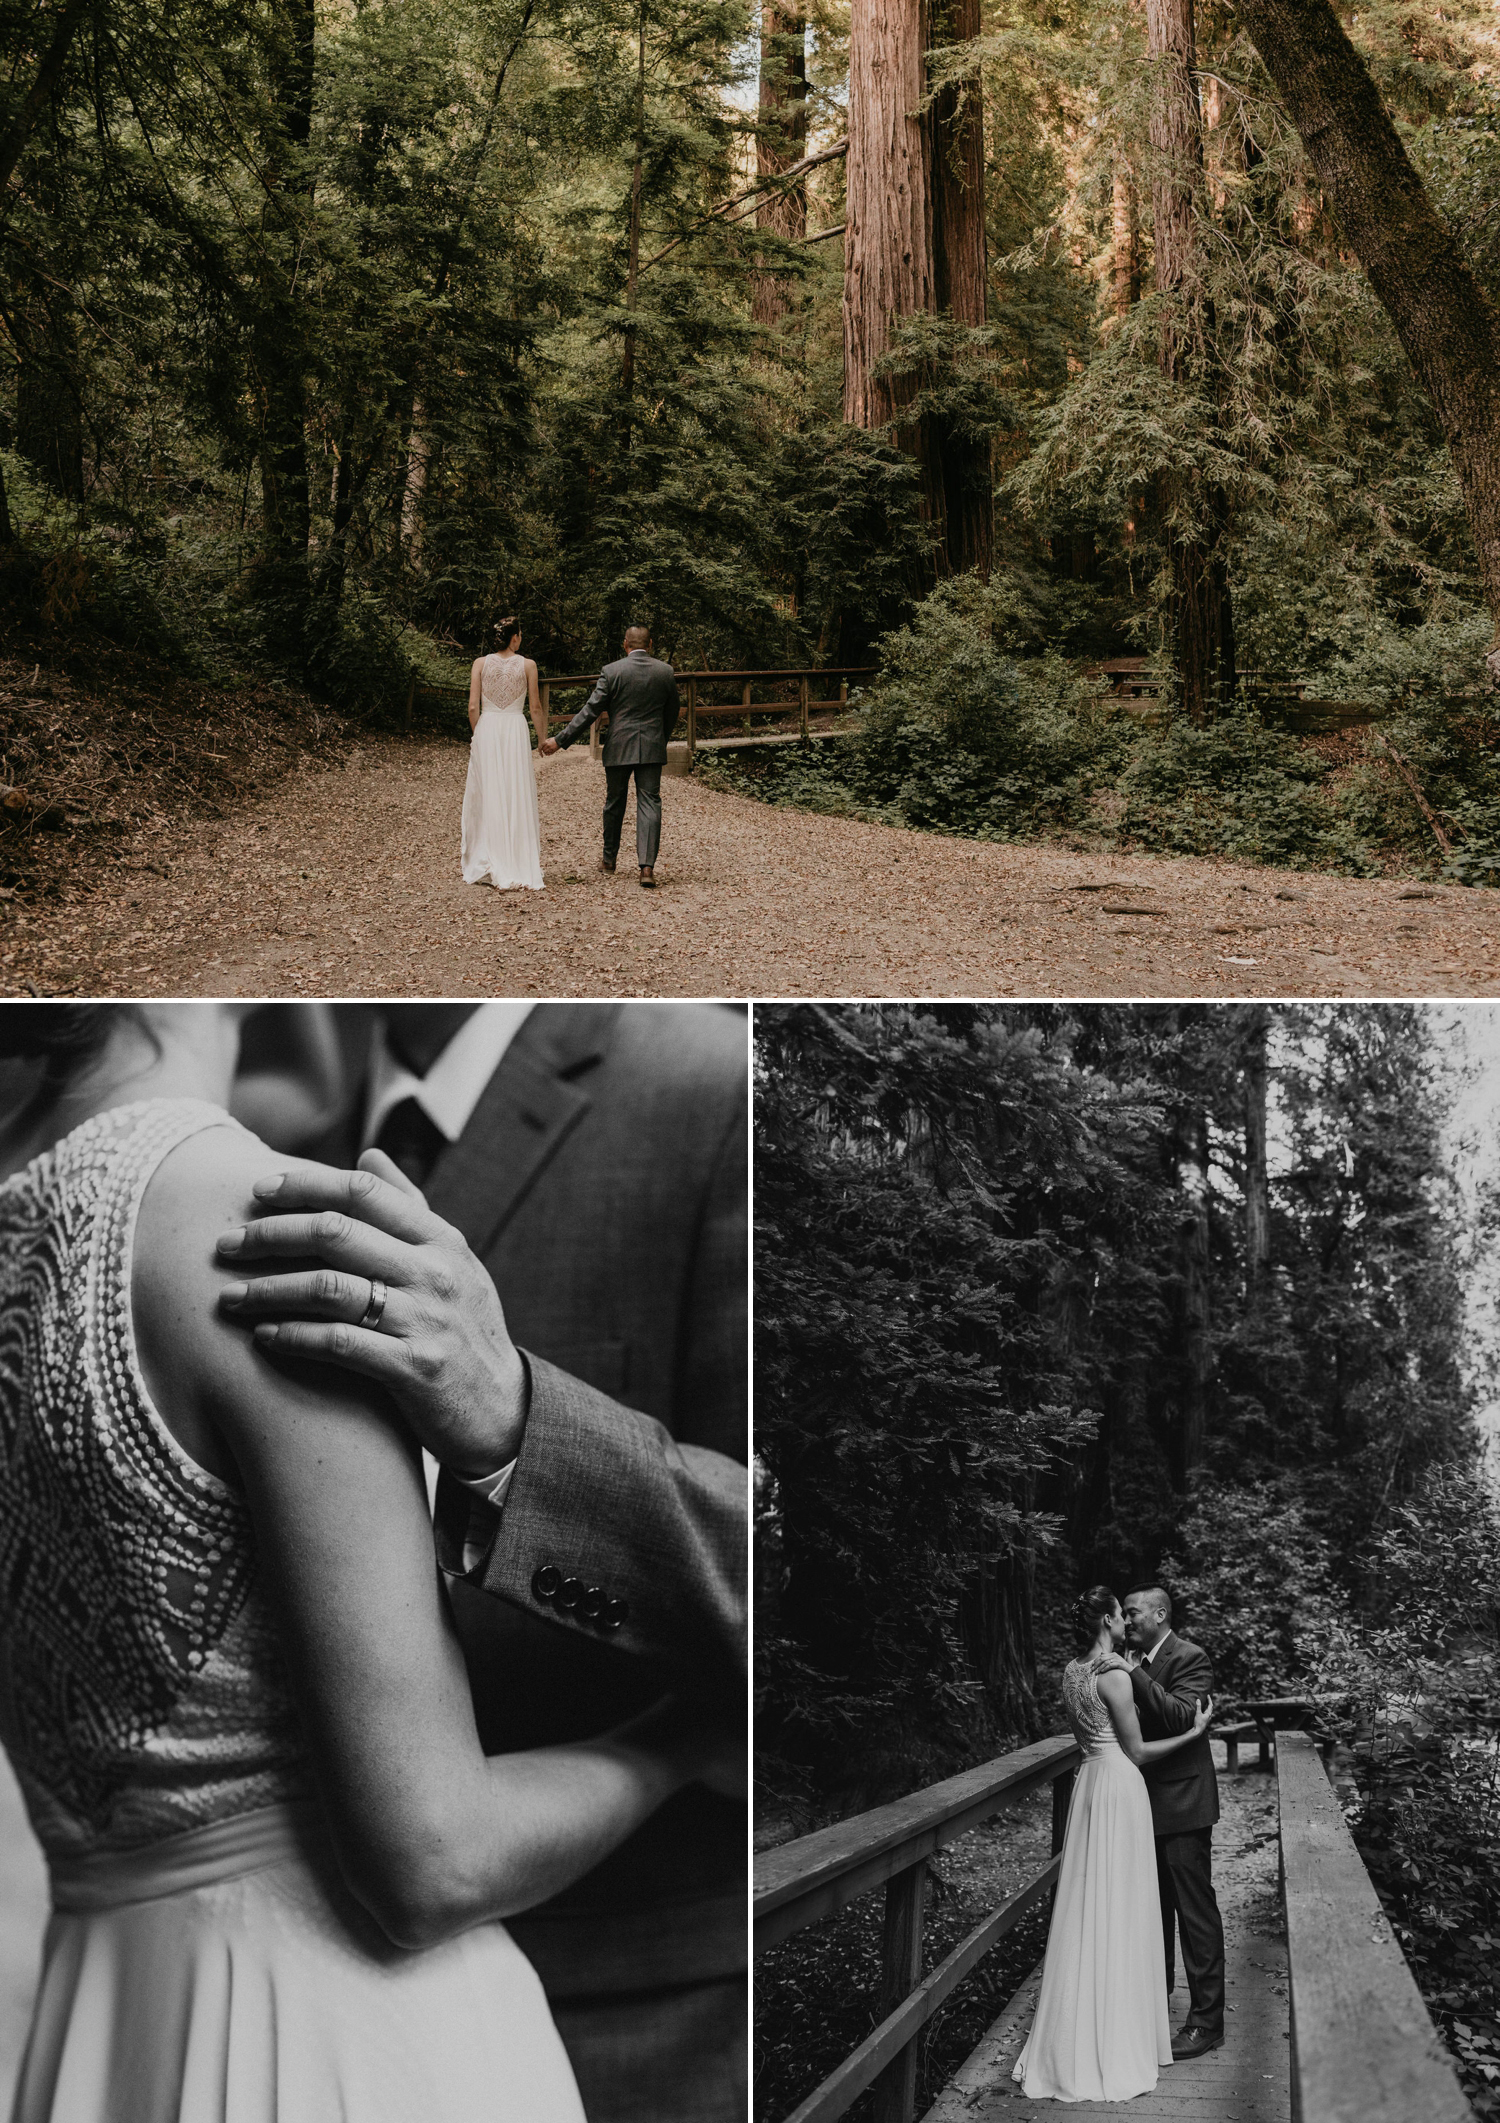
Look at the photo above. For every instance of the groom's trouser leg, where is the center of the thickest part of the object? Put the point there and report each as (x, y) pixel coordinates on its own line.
(1184, 1872)
(664, 2056)
(616, 789)
(647, 814)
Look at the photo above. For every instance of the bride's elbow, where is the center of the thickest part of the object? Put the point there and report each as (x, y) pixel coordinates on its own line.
(419, 1896)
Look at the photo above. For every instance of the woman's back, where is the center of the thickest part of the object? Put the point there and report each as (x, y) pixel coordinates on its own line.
(1088, 1714)
(143, 1689)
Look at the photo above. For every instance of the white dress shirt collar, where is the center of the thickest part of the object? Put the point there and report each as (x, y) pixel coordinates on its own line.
(1148, 1656)
(455, 1083)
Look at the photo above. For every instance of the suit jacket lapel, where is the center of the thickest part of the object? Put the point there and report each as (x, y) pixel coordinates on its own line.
(530, 1105)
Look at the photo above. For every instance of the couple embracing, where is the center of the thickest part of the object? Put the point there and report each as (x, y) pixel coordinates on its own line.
(350, 1811)
(1136, 1862)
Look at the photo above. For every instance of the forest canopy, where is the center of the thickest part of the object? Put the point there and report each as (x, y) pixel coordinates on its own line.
(333, 331)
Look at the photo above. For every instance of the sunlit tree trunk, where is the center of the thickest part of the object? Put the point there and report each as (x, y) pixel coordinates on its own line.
(1443, 317)
(414, 494)
(1202, 622)
(1257, 1176)
(780, 140)
(1125, 248)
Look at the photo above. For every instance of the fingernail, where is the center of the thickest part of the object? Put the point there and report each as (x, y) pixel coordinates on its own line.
(234, 1293)
(264, 1188)
(267, 1332)
(231, 1241)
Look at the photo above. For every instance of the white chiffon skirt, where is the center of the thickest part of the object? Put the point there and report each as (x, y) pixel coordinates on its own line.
(501, 832)
(1101, 2031)
(226, 1976)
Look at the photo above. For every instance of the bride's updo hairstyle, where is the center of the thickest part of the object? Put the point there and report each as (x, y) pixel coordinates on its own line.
(1089, 1611)
(506, 631)
(63, 1037)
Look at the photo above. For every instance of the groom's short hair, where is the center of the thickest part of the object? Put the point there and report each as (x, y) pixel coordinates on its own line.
(1156, 1595)
(637, 637)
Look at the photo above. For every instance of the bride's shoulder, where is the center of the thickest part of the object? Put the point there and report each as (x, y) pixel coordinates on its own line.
(201, 1188)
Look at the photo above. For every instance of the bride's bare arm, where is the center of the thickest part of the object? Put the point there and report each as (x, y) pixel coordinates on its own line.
(476, 677)
(1119, 1701)
(433, 1837)
(538, 719)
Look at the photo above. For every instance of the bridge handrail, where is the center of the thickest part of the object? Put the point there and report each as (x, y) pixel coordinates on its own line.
(799, 1882)
(1363, 2046)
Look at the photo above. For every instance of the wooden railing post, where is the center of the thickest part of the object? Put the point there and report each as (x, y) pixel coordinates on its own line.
(905, 1906)
(692, 716)
(803, 692)
(745, 694)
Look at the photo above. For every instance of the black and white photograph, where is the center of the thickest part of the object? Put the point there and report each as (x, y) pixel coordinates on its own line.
(1127, 1561)
(373, 1561)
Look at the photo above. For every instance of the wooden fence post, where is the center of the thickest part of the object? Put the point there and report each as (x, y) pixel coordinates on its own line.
(692, 716)
(745, 693)
(802, 695)
(905, 1906)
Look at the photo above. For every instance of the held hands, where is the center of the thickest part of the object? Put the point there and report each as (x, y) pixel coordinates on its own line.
(1202, 1716)
(547, 747)
(438, 1343)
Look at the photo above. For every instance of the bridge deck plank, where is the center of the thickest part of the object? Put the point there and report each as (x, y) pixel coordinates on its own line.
(1248, 2080)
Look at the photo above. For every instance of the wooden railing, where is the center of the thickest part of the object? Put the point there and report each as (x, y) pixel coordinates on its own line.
(799, 1882)
(693, 687)
(1363, 2047)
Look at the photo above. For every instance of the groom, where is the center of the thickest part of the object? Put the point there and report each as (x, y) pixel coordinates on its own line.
(640, 693)
(592, 1510)
(1168, 1675)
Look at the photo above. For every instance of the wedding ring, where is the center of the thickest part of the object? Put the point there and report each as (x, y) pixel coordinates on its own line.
(375, 1309)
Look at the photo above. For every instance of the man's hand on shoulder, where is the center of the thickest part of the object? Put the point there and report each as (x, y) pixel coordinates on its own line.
(400, 1299)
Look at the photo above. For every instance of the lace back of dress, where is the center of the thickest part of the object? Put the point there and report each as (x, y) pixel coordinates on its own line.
(126, 1571)
(502, 683)
(1086, 1708)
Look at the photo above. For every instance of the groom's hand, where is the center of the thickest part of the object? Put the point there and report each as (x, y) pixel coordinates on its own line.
(440, 1346)
(547, 747)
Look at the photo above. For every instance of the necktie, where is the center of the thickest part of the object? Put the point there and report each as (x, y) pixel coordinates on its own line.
(411, 1139)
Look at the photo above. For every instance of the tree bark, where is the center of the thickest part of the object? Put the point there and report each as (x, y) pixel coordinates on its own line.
(633, 266)
(1125, 262)
(956, 127)
(889, 267)
(780, 141)
(1195, 1346)
(1202, 620)
(1442, 316)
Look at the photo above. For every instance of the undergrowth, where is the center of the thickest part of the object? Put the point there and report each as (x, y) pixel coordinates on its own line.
(962, 734)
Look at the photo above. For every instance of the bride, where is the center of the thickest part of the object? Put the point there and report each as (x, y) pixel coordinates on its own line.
(229, 1685)
(501, 840)
(1101, 2030)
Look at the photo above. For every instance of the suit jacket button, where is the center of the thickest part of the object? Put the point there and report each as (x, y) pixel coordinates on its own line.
(546, 1582)
(569, 1593)
(614, 1614)
(593, 1603)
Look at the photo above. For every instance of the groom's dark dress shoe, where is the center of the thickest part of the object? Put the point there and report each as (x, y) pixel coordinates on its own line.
(1195, 2042)
(607, 863)
(648, 877)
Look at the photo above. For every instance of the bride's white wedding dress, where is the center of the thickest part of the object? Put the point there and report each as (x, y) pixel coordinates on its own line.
(501, 840)
(1101, 2030)
(204, 1962)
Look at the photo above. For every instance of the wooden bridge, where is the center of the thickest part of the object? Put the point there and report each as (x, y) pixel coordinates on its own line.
(1328, 2027)
(760, 699)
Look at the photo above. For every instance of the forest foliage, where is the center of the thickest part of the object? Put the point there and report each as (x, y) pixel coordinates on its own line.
(332, 331)
(1050, 1294)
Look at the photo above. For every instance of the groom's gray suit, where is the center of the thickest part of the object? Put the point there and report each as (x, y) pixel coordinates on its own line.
(640, 693)
(602, 1180)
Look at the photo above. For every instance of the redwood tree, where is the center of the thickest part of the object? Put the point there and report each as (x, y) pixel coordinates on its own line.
(780, 141)
(1445, 322)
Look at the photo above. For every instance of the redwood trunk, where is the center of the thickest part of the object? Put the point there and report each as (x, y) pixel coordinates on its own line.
(285, 491)
(781, 140)
(1442, 316)
(956, 125)
(1202, 626)
(1257, 1179)
(889, 266)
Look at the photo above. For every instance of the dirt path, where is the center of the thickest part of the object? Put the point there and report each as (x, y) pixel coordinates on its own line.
(345, 881)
